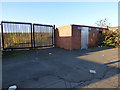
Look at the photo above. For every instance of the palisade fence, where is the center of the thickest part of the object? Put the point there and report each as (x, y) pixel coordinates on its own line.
(20, 35)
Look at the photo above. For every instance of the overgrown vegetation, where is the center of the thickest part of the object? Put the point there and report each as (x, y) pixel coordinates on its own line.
(112, 39)
(16, 40)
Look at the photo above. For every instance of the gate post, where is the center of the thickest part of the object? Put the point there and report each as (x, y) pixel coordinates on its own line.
(33, 36)
(54, 35)
(2, 35)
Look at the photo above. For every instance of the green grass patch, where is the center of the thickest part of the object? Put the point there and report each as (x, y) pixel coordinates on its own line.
(8, 54)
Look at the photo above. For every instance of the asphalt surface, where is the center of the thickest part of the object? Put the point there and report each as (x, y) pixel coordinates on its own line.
(59, 68)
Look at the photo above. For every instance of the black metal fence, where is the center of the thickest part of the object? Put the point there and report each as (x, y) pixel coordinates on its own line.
(18, 35)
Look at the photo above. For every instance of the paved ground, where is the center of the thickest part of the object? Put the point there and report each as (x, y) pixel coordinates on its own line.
(59, 68)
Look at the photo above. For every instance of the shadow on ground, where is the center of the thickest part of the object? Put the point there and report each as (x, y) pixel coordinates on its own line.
(55, 68)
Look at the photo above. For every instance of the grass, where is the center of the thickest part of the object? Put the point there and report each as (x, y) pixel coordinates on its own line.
(17, 40)
(8, 54)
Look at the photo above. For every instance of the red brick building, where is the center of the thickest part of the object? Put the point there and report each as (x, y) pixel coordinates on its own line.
(78, 36)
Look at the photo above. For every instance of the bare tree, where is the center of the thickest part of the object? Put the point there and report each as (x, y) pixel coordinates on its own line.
(103, 23)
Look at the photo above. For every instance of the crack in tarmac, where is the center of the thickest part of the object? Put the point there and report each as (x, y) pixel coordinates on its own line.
(81, 82)
(101, 78)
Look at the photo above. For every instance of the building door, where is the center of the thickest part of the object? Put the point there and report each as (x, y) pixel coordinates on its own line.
(100, 38)
(84, 37)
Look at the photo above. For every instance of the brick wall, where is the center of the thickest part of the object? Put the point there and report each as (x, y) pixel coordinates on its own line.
(93, 37)
(63, 37)
(76, 37)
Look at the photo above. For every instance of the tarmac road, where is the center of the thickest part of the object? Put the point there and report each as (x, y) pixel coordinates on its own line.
(59, 68)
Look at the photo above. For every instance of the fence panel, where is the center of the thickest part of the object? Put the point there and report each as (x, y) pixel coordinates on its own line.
(43, 35)
(16, 35)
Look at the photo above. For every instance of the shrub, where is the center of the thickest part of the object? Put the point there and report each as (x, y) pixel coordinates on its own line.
(112, 39)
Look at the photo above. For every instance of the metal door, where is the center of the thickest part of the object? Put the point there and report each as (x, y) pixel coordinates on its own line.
(84, 37)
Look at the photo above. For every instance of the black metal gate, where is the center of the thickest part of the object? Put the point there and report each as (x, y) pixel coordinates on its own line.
(20, 35)
(43, 35)
(16, 35)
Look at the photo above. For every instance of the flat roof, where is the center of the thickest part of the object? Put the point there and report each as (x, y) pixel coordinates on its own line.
(86, 26)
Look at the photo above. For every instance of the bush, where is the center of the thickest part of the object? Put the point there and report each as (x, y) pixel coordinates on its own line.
(112, 39)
